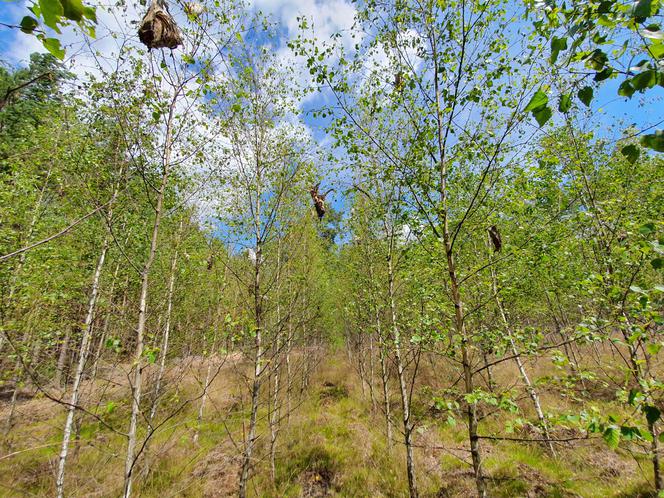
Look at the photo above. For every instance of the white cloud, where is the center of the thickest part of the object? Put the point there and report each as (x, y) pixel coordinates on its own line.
(328, 17)
(117, 29)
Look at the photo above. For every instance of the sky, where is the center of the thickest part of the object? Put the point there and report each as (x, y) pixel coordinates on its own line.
(609, 116)
(329, 17)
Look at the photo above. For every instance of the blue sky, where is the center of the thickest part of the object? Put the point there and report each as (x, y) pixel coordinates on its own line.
(610, 114)
(330, 17)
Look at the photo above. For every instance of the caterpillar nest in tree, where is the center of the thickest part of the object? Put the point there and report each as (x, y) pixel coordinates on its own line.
(158, 28)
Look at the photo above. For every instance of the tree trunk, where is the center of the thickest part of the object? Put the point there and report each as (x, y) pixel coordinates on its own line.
(16, 272)
(255, 390)
(403, 386)
(107, 319)
(654, 448)
(360, 364)
(201, 408)
(78, 376)
(208, 373)
(459, 322)
(289, 376)
(384, 380)
(371, 374)
(274, 426)
(532, 392)
(136, 387)
(258, 344)
(167, 326)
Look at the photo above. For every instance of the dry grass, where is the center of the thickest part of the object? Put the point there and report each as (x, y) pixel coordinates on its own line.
(333, 446)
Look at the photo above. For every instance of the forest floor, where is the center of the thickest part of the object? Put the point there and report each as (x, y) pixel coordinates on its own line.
(333, 445)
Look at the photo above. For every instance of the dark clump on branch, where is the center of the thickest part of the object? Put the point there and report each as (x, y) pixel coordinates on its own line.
(495, 238)
(158, 28)
(319, 200)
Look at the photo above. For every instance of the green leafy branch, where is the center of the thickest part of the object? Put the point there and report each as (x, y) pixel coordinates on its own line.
(55, 14)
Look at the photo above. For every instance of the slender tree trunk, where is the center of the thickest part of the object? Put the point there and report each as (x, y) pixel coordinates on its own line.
(28, 237)
(78, 376)
(208, 373)
(258, 341)
(403, 385)
(18, 371)
(654, 448)
(275, 415)
(360, 364)
(489, 373)
(306, 364)
(18, 376)
(530, 389)
(36, 352)
(137, 386)
(274, 426)
(459, 321)
(107, 319)
(201, 408)
(289, 376)
(62, 358)
(255, 390)
(384, 380)
(371, 374)
(167, 326)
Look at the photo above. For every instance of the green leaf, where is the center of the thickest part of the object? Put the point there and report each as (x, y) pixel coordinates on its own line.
(603, 74)
(631, 152)
(540, 99)
(90, 13)
(110, 407)
(643, 9)
(629, 432)
(652, 413)
(646, 79)
(647, 228)
(586, 95)
(626, 89)
(657, 263)
(53, 46)
(654, 141)
(51, 11)
(598, 60)
(72, 9)
(565, 102)
(28, 24)
(542, 115)
(612, 436)
(657, 50)
(645, 435)
(653, 348)
(557, 44)
(151, 355)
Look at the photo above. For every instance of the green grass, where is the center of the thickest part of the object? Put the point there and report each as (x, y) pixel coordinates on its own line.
(333, 444)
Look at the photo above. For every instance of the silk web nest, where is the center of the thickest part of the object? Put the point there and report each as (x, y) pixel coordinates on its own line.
(158, 28)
